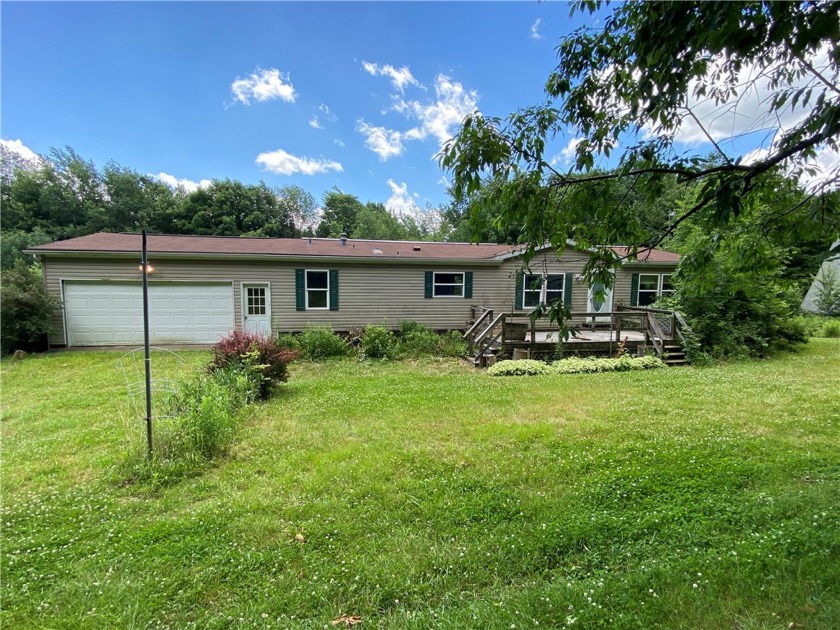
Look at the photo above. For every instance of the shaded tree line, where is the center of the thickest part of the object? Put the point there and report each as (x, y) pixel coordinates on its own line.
(63, 195)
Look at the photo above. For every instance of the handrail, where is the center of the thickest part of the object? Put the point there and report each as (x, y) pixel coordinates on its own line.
(487, 312)
(658, 336)
(683, 326)
(483, 349)
(499, 318)
(647, 309)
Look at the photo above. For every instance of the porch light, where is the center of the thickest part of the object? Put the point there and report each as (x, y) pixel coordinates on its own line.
(149, 268)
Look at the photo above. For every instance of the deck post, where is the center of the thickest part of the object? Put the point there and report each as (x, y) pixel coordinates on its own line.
(533, 335)
(617, 328)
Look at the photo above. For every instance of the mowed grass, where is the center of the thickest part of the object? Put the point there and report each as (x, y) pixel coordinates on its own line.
(428, 494)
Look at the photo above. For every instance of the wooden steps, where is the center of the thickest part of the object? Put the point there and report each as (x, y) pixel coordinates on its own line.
(674, 354)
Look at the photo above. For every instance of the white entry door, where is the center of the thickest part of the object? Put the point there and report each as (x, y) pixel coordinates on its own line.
(256, 308)
(600, 303)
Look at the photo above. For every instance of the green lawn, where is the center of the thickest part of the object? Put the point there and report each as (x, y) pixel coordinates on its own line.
(431, 495)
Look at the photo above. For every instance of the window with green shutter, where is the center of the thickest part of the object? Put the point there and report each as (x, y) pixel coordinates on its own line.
(429, 284)
(468, 284)
(316, 289)
(539, 289)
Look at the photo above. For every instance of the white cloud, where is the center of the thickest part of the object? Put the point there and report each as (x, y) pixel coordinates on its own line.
(567, 154)
(187, 184)
(338, 142)
(402, 204)
(439, 118)
(443, 181)
(328, 114)
(535, 29)
(817, 172)
(400, 201)
(400, 77)
(386, 143)
(263, 85)
(745, 111)
(284, 163)
(18, 148)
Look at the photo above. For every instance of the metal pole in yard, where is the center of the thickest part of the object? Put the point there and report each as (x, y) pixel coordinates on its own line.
(148, 359)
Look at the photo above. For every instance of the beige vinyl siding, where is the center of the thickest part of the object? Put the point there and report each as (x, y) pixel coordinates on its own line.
(384, 292)
(573, 261)
(368, 293)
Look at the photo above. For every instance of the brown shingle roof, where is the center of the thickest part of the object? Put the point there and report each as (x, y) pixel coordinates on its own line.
(111, 243)
(649, 255)
(104, 242)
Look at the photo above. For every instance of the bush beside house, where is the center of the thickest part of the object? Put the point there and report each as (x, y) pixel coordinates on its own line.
(26, 310)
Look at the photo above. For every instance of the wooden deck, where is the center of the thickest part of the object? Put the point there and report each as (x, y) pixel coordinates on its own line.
(630, 330)
(585, 336)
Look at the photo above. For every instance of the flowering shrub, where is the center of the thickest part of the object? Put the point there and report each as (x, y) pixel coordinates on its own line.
(520, 367)
(262, 359)
(574, 365)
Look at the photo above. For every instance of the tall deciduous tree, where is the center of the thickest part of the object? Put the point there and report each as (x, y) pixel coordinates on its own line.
(654, 72)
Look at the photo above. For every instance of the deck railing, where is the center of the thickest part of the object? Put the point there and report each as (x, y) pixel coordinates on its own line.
(658, 326)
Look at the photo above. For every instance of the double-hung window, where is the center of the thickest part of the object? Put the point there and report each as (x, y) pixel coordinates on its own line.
(541, 289)
(448, 284)
(652, 286)
(317, 290)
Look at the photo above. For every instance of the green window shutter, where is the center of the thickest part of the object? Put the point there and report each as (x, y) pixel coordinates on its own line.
(468, 284)
(567, 290)
(634, 290)
(300, 297)
(519, 281)
(333, 289)
(429, 281)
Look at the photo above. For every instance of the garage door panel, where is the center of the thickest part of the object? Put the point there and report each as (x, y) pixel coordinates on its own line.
(109, 313)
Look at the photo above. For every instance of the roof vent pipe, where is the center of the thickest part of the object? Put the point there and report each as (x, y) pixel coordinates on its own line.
(342, 240)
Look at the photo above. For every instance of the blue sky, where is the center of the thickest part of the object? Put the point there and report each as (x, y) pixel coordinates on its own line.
(354, 95)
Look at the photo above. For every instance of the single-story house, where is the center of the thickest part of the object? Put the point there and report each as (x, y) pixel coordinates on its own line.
(201, 287)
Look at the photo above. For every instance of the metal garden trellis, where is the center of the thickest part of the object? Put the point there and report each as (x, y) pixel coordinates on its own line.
(167, 366)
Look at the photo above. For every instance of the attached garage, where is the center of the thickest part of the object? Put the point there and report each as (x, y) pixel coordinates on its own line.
(101, 313)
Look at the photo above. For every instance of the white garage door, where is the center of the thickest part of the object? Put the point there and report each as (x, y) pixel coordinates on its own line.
(111, 313)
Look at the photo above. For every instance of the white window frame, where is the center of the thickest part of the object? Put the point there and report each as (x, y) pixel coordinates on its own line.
(526, 288)
(435, 283)
(658, 292)
(306, 289)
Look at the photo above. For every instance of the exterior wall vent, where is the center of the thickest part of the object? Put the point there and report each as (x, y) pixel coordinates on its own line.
(416, 248)
(342, 240)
